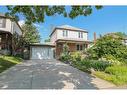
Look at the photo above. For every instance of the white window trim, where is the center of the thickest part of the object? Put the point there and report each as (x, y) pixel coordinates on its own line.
(80, 34)
(65, 33)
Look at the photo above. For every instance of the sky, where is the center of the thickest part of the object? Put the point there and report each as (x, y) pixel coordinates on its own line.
(108, 19)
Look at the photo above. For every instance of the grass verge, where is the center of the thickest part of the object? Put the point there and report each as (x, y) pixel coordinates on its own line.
(116, 79)
(8, 61)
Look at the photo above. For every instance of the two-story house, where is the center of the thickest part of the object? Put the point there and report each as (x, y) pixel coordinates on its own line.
(7, 28)
(76, 38)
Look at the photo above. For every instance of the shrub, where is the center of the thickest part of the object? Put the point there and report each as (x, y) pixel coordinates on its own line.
(99, 65)
(87, 65)
(76, 56)
(109, 45)
(81, 65)
(65, 57)
(117, 70)
(113, 60)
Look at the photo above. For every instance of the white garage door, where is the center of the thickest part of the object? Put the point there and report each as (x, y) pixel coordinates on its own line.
(42, 52)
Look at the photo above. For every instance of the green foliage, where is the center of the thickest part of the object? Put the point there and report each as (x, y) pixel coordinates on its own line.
(65, 56)
(87, 65)
(118, 79)
(82, 66)
(76, 56)
(121, 34)
(113, 60)
(99, 65)
(8, 61)
(47, 40)
(108, 45)
(30, 34)
(117, 70)
(37, 13)
(17, 44)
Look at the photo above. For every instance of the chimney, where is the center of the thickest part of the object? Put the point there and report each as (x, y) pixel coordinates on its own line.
(94, 37)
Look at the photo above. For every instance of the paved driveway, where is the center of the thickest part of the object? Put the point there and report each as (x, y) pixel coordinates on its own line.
(48, 74)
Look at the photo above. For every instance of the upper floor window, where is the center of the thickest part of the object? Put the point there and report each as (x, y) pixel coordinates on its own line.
(65, 33)
(80, 34)
(2, 22)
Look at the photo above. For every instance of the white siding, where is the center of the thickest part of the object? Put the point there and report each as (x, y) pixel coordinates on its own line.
(8, 26)
(71, 35)
(11, 27)
(16, 29)
(54, 37)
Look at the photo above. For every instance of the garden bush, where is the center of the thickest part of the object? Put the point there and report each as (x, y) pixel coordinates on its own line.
(76, 56)
(108, 45)
(116, 70)
(99, 65)
(87, 65)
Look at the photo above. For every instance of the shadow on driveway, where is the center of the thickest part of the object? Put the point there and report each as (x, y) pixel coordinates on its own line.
(45, 74)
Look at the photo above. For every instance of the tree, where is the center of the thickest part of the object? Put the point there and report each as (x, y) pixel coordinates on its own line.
(37, 13)
(108, 45)
(30, 34)
(17, 44)
(47, 40)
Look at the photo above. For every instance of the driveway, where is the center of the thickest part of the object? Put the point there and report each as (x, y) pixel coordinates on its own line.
(49, 74)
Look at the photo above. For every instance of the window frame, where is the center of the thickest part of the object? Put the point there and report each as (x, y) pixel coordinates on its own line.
(65, 33)
(2, 22)
(79, 47)
(80, 34)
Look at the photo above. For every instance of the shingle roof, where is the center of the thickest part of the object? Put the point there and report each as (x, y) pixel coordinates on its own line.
(68, 27)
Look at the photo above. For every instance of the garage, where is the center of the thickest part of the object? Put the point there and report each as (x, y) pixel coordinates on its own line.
(41, 51)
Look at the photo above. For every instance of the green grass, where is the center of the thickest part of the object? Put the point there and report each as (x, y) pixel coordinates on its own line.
(8, 61)
(116, 79)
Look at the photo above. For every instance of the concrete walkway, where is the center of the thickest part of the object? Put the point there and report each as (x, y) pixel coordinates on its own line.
(49, 74)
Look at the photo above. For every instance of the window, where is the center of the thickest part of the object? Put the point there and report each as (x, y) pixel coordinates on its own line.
(2, 22)
(80, 34)
(79, 47)
(0, 42)
(65, 33)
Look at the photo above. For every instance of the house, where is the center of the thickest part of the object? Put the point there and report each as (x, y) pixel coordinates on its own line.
(76, 39)
(7, 28)
(124, 41)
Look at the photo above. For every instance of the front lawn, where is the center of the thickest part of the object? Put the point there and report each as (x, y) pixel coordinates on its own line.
(114, 74)
(8, 61)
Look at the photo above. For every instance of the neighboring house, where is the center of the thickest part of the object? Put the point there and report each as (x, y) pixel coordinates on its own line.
(76, 39)
(124, 41)
(7, 28)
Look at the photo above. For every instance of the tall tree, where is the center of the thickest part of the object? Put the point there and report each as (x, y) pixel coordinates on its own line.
(30, 34)
(47, 40)
(37, 13)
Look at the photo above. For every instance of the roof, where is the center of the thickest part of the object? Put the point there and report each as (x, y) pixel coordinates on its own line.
(71, 40)
(3, 15)
(68, 27)
(44, 44)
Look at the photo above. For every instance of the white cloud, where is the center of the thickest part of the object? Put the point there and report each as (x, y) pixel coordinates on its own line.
(21, 22)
